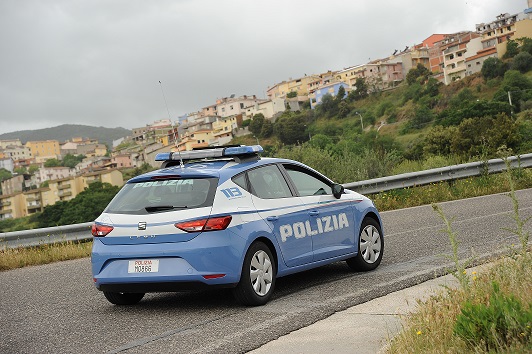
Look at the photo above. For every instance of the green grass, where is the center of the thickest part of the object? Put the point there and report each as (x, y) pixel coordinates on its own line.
(433, 328)
(448, 191)
(11, 258)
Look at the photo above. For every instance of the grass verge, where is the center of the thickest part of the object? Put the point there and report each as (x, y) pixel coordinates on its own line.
(493, 314)
(11, 258)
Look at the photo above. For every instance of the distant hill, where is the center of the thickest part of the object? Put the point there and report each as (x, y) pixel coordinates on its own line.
(66, 132)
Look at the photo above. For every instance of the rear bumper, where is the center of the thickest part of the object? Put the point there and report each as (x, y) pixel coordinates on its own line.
(158, 287)
(211, 259)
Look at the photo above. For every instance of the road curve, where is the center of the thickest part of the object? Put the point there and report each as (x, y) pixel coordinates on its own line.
(55, 307)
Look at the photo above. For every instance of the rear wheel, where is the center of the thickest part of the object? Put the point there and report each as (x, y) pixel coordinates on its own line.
(258, 276)
(123, 298)
(370, 247)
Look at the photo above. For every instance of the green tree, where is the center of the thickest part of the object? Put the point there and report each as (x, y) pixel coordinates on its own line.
(52, 163)
(33, 168)
(85, 207)
(267, 129)
(512, 48)
(418, 74)
(321, 141)
(5, 174)
(519, 86)
(343, 109)
(20, 170)
(492, 68)
(256, 124)
(291, 128)
(473, 109)
(423, 115)
(439, 140)
(360, 90)
(340, 95)
(328, 105)
(526, 45)
(482, 136)
(291, 94)
(72, 160)
(462, 99)
(522, 62)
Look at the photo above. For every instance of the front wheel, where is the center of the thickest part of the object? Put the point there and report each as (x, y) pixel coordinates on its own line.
(123, 298)
(370, 247)
(258, 276)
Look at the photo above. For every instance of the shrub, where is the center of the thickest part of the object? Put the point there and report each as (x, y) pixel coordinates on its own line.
(500, 323)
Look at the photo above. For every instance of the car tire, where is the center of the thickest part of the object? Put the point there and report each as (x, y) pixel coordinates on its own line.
(257, 281)
(123, 298)
(370, 247)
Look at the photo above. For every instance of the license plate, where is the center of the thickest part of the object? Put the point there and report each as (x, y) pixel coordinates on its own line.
(143, 266)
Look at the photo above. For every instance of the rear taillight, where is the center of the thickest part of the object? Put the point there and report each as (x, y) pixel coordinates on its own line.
(99, 230)
(212, 224)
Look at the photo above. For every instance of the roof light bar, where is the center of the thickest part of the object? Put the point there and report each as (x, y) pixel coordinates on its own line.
(218, 152)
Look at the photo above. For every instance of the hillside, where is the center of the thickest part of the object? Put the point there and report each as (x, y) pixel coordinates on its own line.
(68, 131)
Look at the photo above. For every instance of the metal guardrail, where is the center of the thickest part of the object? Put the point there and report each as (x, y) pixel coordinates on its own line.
(435, 175)
(81, 232)
(47, 235)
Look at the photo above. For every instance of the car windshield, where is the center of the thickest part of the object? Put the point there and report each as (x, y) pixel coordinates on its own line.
(163, 196)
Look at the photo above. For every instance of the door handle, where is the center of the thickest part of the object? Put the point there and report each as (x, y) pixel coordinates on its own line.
(272, 218)
(314, 213)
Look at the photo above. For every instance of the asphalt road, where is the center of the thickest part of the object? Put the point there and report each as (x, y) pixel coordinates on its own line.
(55, 308)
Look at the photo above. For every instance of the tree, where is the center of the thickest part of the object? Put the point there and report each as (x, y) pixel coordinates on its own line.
(341, 93)
(291, 94)
(482, 136)
(5, 174)
(438, 141)
(519, 86)
(492, 68)
(522, 62)
(267, 129)
(86, 206)
(360, 90)
(418, 74)
(33, 168)
(256, 124)
(526, 45)
(291, 128)
(20, 170)
(52, 163)
(328, 105)
(72, 160)
(511, 49)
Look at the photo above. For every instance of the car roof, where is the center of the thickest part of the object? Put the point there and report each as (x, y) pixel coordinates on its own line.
(216, 162)
(216, 168)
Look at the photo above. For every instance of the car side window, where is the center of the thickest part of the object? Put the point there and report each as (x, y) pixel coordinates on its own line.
(268, 183)
(240, 181)
(307, 183)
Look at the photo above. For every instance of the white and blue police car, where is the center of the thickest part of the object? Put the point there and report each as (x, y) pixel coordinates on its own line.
(227, 217)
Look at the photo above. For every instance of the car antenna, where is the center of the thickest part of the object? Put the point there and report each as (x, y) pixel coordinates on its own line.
(173, 129)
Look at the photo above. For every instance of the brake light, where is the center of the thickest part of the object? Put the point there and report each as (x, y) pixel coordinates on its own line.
(99, 230)
(211, 224)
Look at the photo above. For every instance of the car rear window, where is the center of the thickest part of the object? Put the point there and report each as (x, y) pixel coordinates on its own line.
(164, 195)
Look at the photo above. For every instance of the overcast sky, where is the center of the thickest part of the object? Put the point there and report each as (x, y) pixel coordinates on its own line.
(99, 62)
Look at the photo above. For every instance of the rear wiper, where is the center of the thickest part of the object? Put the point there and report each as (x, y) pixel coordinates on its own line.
(153, 208)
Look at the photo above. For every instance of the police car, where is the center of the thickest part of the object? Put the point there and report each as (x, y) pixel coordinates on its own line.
(225, 217)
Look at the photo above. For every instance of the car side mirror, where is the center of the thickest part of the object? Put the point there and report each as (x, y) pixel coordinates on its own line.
(337, 190)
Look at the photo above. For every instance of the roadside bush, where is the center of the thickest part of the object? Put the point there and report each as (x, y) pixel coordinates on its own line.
(495, 325)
